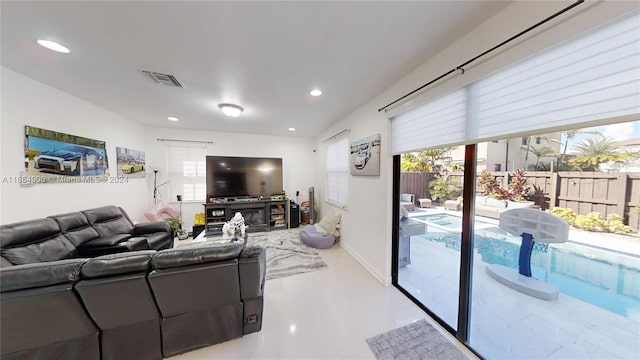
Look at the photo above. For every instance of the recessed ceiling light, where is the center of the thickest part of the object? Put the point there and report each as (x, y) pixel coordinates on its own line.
(52, 45)
(292, 129)
(231, 109)
(172, 118)
(315, 92)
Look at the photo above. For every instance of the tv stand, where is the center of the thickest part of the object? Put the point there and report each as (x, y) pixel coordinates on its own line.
(259, 215)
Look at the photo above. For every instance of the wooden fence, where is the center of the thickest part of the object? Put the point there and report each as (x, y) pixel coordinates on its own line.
(584, 192)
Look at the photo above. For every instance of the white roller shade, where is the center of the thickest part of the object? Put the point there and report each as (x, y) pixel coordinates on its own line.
(438, 122)
(592, 77)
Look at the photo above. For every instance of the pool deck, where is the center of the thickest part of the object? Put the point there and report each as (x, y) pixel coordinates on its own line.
(506, 324)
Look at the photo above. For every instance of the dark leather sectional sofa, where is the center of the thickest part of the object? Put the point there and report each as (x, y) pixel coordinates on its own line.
(140, 300)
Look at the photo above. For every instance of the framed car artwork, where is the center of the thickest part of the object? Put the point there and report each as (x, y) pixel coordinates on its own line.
(365, 156)
(51, 155)
(131, 163)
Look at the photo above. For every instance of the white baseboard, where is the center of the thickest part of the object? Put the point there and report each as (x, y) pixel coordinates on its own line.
(385, 280)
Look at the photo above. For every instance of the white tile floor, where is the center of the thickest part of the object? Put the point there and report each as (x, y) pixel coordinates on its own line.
(325, 314)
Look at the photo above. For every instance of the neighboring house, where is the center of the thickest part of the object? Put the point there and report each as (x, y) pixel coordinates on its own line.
(511, 154)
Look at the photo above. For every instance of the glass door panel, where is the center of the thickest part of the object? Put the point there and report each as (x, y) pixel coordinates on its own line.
(429, 230)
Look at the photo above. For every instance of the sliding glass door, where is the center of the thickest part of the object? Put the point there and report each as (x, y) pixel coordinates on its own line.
(429, 231)
(581, 299)
(590, 303)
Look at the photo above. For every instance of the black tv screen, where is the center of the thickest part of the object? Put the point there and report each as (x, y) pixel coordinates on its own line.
(229, 176)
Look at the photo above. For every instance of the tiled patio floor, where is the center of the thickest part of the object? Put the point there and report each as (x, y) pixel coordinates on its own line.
(506, 324)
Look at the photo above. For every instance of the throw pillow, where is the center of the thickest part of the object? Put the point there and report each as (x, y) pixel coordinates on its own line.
(329, 223)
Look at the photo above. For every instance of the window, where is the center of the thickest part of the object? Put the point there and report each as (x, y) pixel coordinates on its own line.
(187, 169)
(338, 172)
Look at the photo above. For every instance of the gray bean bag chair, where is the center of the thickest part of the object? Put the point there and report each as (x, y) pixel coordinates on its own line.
(316, 239)
(323, 234)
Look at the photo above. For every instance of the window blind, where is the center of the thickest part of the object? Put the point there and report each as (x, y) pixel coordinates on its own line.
(338, 172)
(438, 122)
(594, 76)
(187, 172)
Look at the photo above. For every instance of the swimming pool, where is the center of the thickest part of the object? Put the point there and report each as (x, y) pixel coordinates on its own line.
(449, 222)
(606, 279)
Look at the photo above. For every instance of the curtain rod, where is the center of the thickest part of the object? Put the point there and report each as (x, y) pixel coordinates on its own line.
(345, 131)
(461, 66)
(191, 141)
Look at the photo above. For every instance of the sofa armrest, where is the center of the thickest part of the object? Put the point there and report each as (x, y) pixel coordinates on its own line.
(153, 227)
(29, 276)
(197, 253)
(252, 269)
(115, 264)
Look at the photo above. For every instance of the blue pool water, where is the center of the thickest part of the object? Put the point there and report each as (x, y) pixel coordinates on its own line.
(585, 275)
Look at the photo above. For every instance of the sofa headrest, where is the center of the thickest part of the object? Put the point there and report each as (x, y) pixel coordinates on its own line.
(197, 253)
(70, 221)
(41, 274)
(75, 227)
(28, 232)
(109, 220)
(113, 264)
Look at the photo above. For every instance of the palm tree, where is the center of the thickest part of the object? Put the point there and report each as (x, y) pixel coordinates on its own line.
(544, 151)
(425, 160)
(593, 152)
(435, 154)
(568, 136)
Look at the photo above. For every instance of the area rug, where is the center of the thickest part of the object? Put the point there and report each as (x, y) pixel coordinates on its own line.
(286, 254)
(416, 341)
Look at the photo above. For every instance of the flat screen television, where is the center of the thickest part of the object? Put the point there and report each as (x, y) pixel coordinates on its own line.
(238, 177)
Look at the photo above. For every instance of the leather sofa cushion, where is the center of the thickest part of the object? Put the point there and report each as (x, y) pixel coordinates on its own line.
(106, 241)
(122, 263)
(109, 220)
(75, 227)
(4, 262)
(56, 248)
(40, 274)
(197, 253)
(28, 232)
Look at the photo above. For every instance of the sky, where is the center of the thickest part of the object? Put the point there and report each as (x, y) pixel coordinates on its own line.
(619, 132)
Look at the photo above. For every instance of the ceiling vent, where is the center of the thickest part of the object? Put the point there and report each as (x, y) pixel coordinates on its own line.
(162, 79)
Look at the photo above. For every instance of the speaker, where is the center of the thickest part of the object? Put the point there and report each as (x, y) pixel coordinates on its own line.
(294, 215)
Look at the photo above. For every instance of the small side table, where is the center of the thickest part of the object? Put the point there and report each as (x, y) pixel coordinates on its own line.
(424, 203)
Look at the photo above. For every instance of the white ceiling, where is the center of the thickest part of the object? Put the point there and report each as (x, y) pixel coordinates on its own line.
(264, 56)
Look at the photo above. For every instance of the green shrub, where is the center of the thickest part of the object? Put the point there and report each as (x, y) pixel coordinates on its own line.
(445, 188)
(615, 225)
(593, 221)
(565, 214)
(590, 222)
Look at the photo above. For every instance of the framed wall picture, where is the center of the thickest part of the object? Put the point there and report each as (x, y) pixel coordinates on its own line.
(131, 162)
(365, 156)
(58, 157)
